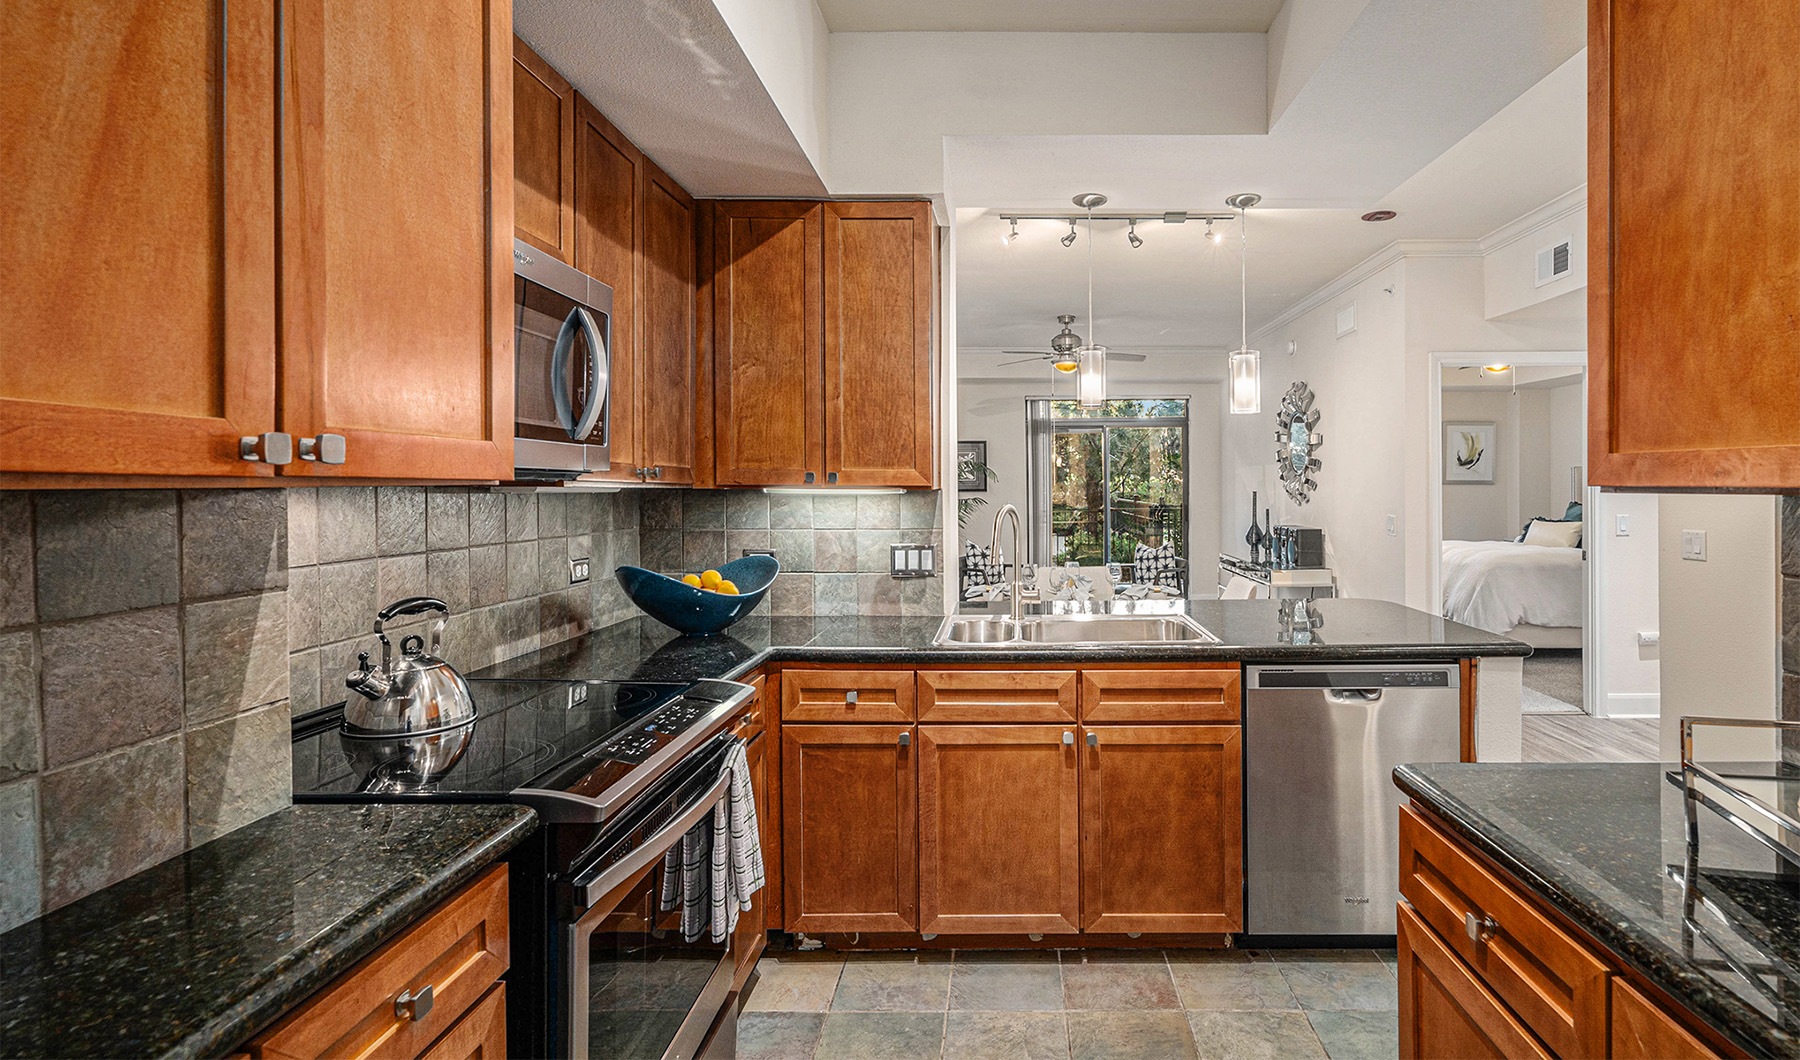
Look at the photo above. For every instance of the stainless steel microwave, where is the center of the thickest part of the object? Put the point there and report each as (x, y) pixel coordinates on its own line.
(562, 335)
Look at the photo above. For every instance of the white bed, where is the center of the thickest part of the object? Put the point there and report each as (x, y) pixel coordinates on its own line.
(1528, 592)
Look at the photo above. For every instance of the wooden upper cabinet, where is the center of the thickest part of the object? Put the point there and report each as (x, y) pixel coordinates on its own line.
(880, 409)
(396, 253)
(609, 230)
(1162, 836)
(543, 155)
(849, 828)
(1694, 217)
(667, 384)
(137, 200)
(999, 829)
(768, 336)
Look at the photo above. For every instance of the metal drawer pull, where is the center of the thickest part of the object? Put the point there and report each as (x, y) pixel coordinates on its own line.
(850, 698)
(1093, 739)
(1480, 928)
(273, 447)
(325, 448)
(905, 739)
(1068, 737)
(413, 1006)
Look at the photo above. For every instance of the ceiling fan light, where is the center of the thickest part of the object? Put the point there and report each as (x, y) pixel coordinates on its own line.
(1496, 369)
(1090, 377)
(1065, 362)
(1244, 370)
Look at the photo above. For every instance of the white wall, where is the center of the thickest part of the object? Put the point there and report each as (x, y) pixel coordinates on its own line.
(1487, 511)
(1509, 264)
(786, 42)
(1630, 602)
(1720, 620)
(1568, 443)
(994, 411)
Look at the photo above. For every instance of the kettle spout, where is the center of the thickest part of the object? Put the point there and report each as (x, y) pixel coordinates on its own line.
(368, 681)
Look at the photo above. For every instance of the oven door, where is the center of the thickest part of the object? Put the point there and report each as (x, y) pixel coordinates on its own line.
(562, 336)
(634, 985)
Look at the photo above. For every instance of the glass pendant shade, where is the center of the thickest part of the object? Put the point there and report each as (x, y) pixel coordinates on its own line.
(1090, 377)
(1244, 369)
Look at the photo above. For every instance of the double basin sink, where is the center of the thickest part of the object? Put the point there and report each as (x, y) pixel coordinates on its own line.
(1063, 631)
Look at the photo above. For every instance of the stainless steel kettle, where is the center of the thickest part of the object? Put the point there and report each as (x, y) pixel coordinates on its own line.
(417, 694)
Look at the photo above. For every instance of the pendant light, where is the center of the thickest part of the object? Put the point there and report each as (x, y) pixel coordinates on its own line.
(1090, 360)
(1244, 365)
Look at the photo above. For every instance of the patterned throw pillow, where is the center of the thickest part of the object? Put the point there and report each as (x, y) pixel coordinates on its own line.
(975, 565)
(1156, 565)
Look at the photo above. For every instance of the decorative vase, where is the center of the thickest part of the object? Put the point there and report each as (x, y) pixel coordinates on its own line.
(1268, 537)
(1254, 537)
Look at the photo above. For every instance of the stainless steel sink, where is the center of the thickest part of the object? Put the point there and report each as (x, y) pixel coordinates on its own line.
(1065, 631)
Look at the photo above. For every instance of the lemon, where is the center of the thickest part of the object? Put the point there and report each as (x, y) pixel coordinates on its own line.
(691, 579)
(727, 588)
(710, 579)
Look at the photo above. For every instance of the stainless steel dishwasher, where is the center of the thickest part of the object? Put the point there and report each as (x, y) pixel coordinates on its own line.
(1321, 810)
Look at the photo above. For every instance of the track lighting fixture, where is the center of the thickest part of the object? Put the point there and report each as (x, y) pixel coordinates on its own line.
(1215, 238)
(1069, 240)
(1131, 236)
(1011, 237)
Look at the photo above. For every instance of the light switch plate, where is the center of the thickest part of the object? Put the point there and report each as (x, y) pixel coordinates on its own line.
(910, 561)
(1693, 545)
(1622, 526)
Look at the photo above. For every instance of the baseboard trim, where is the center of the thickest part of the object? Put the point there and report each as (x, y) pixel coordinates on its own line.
(1623, 705)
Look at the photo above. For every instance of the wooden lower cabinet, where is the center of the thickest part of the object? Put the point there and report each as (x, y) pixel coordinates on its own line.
(999, 829)
(1445, 1011)
(1642, 1031)
(849, 828)
(1162, 823)
(456, 952)
(752, 933)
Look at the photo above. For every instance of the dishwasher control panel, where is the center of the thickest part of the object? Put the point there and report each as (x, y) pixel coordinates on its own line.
(1436, 677)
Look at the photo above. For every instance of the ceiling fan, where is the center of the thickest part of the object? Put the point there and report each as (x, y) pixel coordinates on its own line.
(1062, 350)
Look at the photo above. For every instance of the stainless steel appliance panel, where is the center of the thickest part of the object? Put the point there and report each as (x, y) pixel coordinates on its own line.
(562, 335)
(1321, 809)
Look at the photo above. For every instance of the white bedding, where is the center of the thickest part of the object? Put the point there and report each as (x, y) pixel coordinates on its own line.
(1496, 585)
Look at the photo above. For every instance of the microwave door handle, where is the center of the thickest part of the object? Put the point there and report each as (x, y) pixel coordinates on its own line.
(559, 372)
(653, 848)
(597, 366)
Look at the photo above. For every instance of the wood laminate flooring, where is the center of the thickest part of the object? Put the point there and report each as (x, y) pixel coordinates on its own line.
(1580, 738)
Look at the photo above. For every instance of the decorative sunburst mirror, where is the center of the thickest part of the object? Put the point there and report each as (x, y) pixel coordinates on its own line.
(1298, 438)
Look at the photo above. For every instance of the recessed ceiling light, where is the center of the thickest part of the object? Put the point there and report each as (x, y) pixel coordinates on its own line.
(1379, 215)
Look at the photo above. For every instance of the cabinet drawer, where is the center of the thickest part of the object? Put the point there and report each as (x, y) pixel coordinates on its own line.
(1198, 693)
(847, 695)
(1642, 1031)
(1444, 1009)
(997, 695)
(458, 950)
(748, 724)
(1551, 981)
(479, 1035)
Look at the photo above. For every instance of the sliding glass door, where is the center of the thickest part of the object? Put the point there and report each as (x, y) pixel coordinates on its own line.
(1104, 481)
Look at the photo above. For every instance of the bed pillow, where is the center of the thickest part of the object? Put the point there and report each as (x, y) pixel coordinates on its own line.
(1553, 533)
(1573, 511)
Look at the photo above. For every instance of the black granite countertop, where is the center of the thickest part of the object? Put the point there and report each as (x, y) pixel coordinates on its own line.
(194, 956)
(1248, 631)
(1606, 845)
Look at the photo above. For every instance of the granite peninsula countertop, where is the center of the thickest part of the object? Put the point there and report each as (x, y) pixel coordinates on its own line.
(1249, 631)
(1605, 844)
(194, 956)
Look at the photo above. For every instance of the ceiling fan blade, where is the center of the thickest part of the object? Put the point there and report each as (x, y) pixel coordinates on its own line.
(1022, 360)
(1111, 356)
(1023, 353)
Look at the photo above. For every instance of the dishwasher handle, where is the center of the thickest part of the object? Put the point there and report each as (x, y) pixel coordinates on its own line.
(1353, 696)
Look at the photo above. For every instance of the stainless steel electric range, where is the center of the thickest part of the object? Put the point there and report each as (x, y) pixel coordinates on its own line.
(619, 772)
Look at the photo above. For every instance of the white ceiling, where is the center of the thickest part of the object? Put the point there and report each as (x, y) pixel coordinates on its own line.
(1050, 16)
(1178, 291)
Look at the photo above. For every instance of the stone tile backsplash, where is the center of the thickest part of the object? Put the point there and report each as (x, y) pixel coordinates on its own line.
(833, 549)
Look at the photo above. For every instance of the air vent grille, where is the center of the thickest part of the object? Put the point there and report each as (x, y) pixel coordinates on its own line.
(1554, 262)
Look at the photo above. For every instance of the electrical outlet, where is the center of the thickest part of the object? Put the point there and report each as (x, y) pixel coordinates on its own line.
(1622, 527)
(1693, 545)
(578, 570)
(578, 693)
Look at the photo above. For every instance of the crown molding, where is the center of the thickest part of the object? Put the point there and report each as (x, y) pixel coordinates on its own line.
(1362, 270)
(1553, 212)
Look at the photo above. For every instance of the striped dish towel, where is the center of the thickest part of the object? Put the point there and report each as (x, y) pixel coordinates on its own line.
(714, 870)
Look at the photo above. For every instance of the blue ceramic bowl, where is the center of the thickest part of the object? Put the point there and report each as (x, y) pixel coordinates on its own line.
(680, 606)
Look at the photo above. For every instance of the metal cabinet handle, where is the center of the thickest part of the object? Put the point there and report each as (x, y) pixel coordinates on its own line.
(325, 448)
(1093, 739)
(272, 447)
(809, 478)
(414, 1006)
(850, 698)
(656, 472)
(1069, 738)
(905, 739)
(831, 477)
(1480, 928)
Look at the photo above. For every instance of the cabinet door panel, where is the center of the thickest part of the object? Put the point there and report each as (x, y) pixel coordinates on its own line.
(137, 168)
(879, 378)
(1680, 106)
(999, 829)
(609, 229)
(1162, 835)
(768, 375)
(666, 380)
(1444, 1010)
(543, 155)
(849, 828)
(396, 278)
(751, 935)
(1642, 1031)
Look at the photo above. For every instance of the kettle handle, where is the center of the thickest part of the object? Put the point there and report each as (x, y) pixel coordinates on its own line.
(412, 605)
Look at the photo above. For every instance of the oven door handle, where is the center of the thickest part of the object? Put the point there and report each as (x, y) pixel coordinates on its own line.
(653, 848)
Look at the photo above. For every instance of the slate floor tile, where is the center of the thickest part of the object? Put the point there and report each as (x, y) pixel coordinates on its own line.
(795, 983)
(1352, 1035)
(778, 1035)
(1254, 1036)
(1333, 979)
(1130, 1036)
(1006, 1036)
(1006, 981)
(894, 983)
(1117, 979)
(881, 1036)
(1231, 985)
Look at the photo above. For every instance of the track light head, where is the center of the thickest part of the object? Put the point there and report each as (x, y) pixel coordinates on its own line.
(1213, 237)
(1132, 237)
(1069, 240)
(1011, 237)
